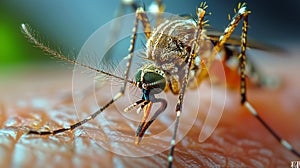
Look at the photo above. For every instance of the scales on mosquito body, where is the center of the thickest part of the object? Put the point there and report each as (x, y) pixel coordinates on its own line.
(180, 55)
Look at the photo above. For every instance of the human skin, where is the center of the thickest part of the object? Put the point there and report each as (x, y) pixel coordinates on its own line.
(238, 141)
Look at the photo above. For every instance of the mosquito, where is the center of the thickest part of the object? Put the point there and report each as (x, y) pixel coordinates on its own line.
(176, 49)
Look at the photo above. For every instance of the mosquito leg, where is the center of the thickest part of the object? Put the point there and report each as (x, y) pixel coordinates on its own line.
(141, 15)
(145, 20)
(134, 105)
(243, 90)
(282, 141)
(115, 98)
(192, 55)
(95, 114)
(243, 14)
(242, 11)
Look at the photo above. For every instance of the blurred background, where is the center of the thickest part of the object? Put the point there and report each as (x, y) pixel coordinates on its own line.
(68, 24)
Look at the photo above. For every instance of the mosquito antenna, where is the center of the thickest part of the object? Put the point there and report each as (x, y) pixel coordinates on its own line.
(58, 54)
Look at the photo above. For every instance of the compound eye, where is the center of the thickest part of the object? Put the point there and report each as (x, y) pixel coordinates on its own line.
(155, 81)
(150, 80)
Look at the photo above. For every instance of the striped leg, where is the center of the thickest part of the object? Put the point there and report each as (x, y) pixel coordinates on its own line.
(141, 15)
(192, 55)
(240, 14)
(243, 14)
(244, 100)
(283, 142)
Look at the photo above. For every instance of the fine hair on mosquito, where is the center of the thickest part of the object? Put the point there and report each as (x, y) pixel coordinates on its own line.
(178, 58)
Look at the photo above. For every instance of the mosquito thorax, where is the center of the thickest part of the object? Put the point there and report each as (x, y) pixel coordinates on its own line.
(151, 77)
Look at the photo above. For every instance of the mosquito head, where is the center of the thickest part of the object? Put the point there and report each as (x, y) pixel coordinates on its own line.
(151, 78)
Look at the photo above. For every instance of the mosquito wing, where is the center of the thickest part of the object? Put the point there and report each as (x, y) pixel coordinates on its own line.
(235, 40)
